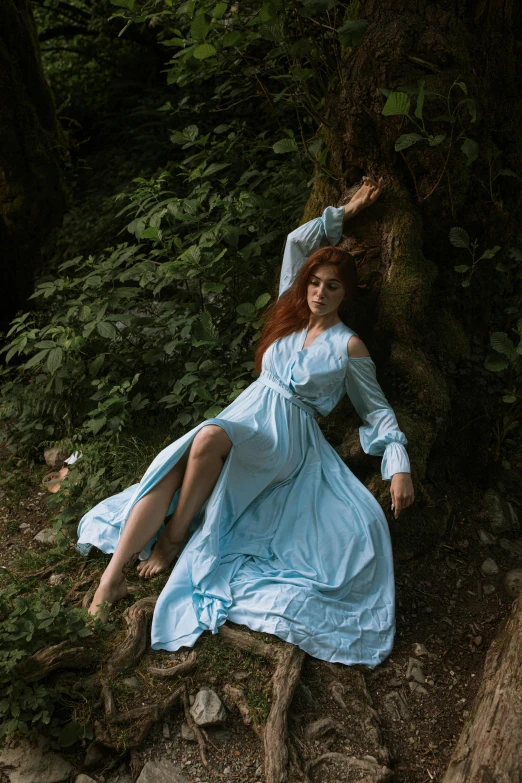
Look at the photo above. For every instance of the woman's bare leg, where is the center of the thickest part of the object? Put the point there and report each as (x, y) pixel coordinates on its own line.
(201, 466)
(208, 453)
(144, 521)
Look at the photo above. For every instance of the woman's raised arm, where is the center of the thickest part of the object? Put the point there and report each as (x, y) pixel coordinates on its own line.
(322, 231)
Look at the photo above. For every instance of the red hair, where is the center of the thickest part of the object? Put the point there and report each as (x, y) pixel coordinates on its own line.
(290, 312)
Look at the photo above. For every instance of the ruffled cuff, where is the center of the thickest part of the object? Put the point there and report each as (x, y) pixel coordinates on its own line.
(395, 460)
(333, 218)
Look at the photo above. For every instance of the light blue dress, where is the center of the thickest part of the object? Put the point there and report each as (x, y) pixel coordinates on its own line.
(290, 542)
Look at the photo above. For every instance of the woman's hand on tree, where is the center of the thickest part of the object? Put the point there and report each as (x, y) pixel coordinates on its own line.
(401, 491)
(367, 194)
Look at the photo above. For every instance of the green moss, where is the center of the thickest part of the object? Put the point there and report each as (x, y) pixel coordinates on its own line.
(426, 382)
(447, 336)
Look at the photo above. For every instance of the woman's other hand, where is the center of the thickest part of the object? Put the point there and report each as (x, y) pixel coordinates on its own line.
(401, 491)
(367, 194)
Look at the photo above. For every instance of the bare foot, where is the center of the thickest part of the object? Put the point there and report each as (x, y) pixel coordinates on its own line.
(164, 552)
(105, 596)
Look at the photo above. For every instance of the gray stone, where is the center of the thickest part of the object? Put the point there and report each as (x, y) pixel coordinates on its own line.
(488, 589)
(486, 538)
(161, 771)
(165, 731)
(84, 779)
(501, 514)
(56, 579)
(46, 536)
(419, 649)
(186, 733)
(24, 526)
(417, 688)
(414, 671)
(259, 772)
(513, 582)
(489, 567)
(55, 457)
(31, 764)
(515, 547)
(132, 682)
(207, 709)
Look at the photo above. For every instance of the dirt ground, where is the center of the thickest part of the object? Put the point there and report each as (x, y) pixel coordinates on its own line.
(447, 614)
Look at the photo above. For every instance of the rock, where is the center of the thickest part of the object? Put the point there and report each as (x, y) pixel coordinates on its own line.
(417, 688)
(486, 538)
(162, 771)
(84, 779)
(31, 764)
(259, 772)
(502, 516)
(515, 547)
(24, 526)
(132, 682)
(55, 457)
(56, 579)
(414, 671)
(488, 589)
(207, 709)
(513, 582)
(166, 731)
(95, 754)
(396, 707)
(239, 676)
(489, 567)
(186, 733)
(46, 536)
(419, 650)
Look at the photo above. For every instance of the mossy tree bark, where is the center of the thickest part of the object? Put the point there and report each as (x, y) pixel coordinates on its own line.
(412, 312)
(31, 145)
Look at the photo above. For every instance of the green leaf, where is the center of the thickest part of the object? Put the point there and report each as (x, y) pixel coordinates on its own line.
(459, 237)
(203, 51)
(501, 343)
(463, 87)
(95, 425)
(232, 38)
(208, 288)
(152, 232)
(184, 419)
(492, 251)
(54, 359)
(261, 301)
(70, 733)
(496, 363)
(189, 379)
(36, 359)
(461, 268)
(246, 309)
(199, 28)
(420, 100)
(471, 106)
(106, 329)
(397, 103)
(219, 10)
(508, 173)
(466, 283)
(212, 412)
(436, 140)
(96, 364)
(284, 145)
(406, 140)
(128, 4)
(509, 398)
(470, 150)
(352, 32)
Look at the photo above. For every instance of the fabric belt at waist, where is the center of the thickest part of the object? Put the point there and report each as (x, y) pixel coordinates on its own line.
(269, 380)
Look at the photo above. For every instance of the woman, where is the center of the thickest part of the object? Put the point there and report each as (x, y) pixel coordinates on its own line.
(285, 539)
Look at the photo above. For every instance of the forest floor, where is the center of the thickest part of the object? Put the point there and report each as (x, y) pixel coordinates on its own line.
(448, 611)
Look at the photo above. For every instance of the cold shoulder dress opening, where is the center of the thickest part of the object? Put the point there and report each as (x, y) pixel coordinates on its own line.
(290, 542)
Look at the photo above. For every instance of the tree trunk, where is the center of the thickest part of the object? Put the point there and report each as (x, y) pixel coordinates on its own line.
(489, 747)
(32, 197)
(411, 311)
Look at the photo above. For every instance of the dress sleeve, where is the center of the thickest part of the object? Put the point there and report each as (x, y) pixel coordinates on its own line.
(319, 232)
(380, 434)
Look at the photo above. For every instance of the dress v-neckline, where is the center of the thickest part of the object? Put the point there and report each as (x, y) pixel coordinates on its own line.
(318, 336)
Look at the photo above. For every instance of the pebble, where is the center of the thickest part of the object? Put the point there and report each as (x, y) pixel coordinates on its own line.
(208, 709)
(166, 731)
(131, 682)
(502, 515)
(186, 733)
(419, 649)
(486, 538)
(513, 582)
(161, 771)
(417, 688)
(84, 779)
(259, 771)
(488, 589)
(46, 536)
(23, 526)
(515, 547)
(56, 579)
(489, 567)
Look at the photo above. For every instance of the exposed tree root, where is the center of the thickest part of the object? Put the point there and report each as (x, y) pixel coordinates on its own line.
(284, 682)
(249, 643)
(137, 618)
(237, 697)
(185, 667)
(50, 659)
(377, 773)
(195, 728)
(321, 727)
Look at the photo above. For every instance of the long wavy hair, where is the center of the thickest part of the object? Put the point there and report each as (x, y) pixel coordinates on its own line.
(290, 312)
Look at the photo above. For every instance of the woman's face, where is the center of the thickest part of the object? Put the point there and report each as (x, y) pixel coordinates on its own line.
(325, 291)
